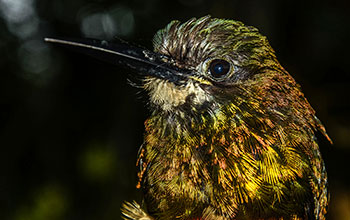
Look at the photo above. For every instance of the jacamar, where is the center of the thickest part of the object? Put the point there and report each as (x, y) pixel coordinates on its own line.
(230, 136)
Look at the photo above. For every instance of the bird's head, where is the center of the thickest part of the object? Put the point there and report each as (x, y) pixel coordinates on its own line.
(206, 66)
(217, 59)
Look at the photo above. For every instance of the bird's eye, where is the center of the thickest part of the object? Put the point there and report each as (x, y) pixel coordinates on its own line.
(219, 68)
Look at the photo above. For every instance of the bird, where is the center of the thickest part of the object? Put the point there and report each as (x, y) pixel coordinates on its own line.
(230, 134)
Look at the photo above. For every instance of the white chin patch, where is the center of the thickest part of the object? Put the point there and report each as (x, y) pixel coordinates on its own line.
(167, 95)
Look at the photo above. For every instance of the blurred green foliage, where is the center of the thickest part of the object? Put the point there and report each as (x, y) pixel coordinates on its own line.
(48, 203)
(70, 126)
(98, 163)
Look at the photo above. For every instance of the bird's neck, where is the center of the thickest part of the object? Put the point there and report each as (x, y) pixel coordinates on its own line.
(183, 129)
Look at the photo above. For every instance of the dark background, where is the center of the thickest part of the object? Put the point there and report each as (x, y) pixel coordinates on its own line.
(70, 126)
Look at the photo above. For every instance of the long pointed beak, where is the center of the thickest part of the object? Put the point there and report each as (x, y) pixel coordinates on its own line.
(142, 61)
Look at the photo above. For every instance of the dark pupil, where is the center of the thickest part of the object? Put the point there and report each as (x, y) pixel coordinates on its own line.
(219, 68)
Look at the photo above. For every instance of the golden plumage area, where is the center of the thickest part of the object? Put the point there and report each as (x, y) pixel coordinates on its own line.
(242, 147)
